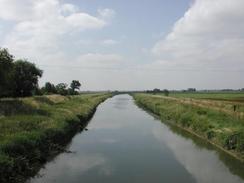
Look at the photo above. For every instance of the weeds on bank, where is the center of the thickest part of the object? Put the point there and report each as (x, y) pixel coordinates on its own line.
(31, 128)
(219, 127)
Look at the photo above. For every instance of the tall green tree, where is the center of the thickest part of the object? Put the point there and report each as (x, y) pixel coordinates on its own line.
(25, 76)
(6, 66)
(166, 92)
(75, 85)
(62, 89)
(156, 90)
(49, 88)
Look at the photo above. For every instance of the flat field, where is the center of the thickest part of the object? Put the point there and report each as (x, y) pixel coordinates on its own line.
(225, 96)
(229, 102)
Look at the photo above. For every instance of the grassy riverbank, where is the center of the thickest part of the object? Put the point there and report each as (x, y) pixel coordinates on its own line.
(33, 129)
(219, 127)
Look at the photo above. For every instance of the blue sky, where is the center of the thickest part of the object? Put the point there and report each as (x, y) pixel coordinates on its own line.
(132, 26)
(133, 45)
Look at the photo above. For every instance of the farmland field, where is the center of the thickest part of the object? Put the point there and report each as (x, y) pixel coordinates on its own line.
(231, 103)
(226, 96)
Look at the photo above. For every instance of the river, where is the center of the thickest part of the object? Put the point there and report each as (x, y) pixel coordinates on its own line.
(123, 144)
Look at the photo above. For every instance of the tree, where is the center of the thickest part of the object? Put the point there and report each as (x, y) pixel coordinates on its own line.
(62, 88)
(156, 90)
(166, 92)
(49, 88)
(25, 77)
(191, 90)
(75, 84)
(6, 66)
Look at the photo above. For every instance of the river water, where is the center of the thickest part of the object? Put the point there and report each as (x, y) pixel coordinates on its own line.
(124, 144)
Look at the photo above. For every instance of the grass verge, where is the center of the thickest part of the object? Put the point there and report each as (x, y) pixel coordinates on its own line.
(217, 127)
(34, 129)
(223, 96)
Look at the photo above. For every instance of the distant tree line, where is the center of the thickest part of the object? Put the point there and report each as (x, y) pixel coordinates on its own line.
(61, 88)
(190, 90)
(19, 78)
(156, 91)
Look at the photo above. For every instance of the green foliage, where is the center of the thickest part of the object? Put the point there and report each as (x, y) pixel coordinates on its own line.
(156, 90)
(6, 66)
(25, 78)
(75, 85)
(17, 78)
(49, 88)
(166, 92)
(62, 89)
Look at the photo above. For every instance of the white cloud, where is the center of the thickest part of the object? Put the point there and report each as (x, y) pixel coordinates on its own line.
(68, 9)
(97, 71)
(50, 34)
(209, 35)
(40, 26)
(84, 21)
(106, 13)
(109, 42)
(101, 61)
(15, 10)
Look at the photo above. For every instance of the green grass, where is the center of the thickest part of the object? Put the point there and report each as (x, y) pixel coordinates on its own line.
(228, 96)
(30, 128)
(224, 130)
(224, 101)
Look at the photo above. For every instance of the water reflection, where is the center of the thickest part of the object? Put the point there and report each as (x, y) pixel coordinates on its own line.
(233, 165)
(125, 144)
(121, 103)
(68, 166)
(203, 164)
